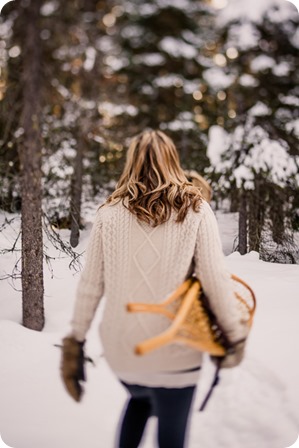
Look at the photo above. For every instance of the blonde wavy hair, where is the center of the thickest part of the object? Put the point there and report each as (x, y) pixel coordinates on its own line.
(153, 183)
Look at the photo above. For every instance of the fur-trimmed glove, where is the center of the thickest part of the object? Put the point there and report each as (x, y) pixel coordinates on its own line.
(72, 366)
(233, 358)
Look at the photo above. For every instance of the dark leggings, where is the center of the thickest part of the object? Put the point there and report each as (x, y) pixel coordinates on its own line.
(171, 406)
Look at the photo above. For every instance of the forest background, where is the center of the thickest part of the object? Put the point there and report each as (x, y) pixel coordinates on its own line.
(79, 79)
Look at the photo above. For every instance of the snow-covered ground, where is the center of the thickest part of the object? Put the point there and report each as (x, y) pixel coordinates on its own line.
(256, 405)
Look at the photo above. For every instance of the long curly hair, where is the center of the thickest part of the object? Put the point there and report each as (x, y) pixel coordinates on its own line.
(153, 183)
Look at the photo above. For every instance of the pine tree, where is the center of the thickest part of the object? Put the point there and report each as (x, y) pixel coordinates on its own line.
(165, 48)
(259, 164)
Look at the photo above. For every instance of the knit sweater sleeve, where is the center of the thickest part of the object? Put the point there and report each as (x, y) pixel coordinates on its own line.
(215, 279)
(91, 284)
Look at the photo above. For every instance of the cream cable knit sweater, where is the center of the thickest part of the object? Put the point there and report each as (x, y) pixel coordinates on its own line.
(131, 261)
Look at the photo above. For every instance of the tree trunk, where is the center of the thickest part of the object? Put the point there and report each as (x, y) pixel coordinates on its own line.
(277, 201)
(30, 166)
(243, 223)
(256, 217)
(76, 194)
(234, 200)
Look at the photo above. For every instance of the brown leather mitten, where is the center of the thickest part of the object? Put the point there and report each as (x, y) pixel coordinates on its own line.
(72, 366)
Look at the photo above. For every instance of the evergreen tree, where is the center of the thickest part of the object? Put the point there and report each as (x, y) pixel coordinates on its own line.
(163, 50)
(258, 167)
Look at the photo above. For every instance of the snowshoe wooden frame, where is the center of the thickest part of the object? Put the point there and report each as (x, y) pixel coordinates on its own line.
(191, 320)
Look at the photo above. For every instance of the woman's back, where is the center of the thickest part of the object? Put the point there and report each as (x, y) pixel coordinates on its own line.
(129, 260)
(143, 263)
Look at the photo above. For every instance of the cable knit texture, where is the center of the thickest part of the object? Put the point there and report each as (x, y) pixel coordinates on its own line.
(129, 261)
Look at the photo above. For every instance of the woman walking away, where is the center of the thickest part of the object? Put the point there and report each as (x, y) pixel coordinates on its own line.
(153, 232)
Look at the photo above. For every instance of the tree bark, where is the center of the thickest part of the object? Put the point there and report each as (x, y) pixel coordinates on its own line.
(256, 217)
(243, 223)
(277, 213)
(234, 200)
(76, 194)
(30, 166)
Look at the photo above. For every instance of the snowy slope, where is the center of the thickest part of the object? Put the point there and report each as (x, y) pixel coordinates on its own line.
(255, 406)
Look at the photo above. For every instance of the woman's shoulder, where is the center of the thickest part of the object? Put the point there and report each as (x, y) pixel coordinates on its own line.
(108, 211)
(203, 209)
(195, 218)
